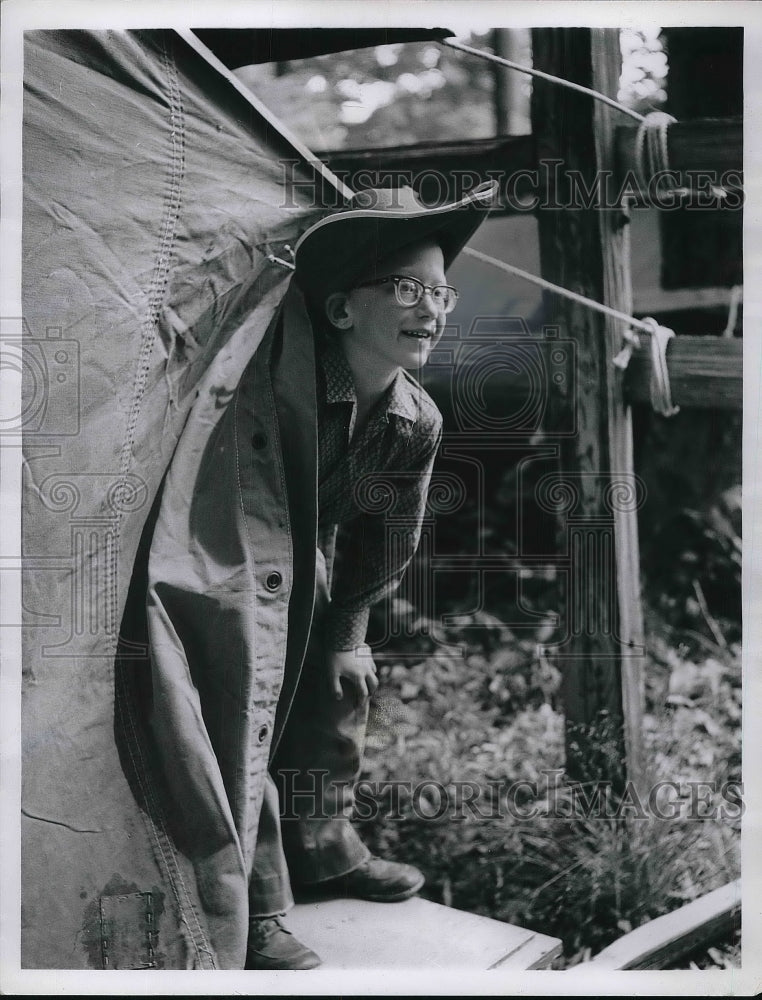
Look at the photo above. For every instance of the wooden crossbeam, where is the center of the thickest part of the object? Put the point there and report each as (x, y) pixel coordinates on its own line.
(704, 372)
(711, 145)
(445, 170)
(668, 939)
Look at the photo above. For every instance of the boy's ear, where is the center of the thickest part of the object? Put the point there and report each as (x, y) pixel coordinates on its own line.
(337, 310)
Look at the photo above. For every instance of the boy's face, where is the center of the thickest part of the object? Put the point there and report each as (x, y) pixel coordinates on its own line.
(391, 335)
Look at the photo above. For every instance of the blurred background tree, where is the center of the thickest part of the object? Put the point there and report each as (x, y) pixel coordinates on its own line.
(385, 96)
(394, 95)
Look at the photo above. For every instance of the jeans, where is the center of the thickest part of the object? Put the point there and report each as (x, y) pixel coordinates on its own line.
(305, 834)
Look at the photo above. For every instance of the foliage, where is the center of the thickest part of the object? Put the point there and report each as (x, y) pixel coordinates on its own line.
(386, 96)
(403, 94)
(644, 69)
(477, 702)
(585, 878)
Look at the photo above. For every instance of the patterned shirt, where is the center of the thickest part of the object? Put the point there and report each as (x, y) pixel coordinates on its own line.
(372, 489)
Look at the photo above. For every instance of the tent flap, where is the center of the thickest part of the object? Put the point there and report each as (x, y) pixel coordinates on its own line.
(246, 46)
(150, 187)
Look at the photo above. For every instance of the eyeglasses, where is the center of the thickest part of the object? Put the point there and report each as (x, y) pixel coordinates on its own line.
(409, 291)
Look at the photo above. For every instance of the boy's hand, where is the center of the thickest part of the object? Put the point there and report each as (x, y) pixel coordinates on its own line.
(353, 665)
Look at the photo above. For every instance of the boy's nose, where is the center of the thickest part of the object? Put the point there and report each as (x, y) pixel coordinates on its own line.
(427, 306)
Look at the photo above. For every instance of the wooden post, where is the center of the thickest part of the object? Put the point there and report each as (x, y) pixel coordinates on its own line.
(581, 248)
(511, 107)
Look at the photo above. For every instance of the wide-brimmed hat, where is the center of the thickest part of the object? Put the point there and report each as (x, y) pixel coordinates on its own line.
(378, 221)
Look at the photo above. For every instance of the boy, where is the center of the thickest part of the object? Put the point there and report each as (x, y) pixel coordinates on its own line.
(374, 279)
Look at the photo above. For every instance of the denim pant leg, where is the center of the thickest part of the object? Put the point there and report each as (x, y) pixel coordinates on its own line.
(269, 884)
(316, 766)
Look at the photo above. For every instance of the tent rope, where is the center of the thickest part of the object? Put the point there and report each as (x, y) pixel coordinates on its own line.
(652, 155)
(661, 394)
(736, 298)
(289, 264)
(651, 160)
(279, 260)
(530, 71)
(535, 279)
(651, 151)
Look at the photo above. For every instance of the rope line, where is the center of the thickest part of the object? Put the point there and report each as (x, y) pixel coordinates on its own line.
(535, 279)
(651, 152)
(660, 390)
(736, 298)
(530, 71)
(661, 393)
(651, 159)
(652, 155)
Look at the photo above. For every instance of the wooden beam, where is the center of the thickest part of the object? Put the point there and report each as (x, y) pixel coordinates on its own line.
(704, 373)
(416, 933)
(708, 145)
(668, 939)
(442, 169)
(617, 292)
(445, 171)
(601, 689)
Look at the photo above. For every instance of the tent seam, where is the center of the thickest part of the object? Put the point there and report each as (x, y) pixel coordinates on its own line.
(166, 854)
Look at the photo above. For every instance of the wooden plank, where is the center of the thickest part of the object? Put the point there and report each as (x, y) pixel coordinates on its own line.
(617, 292)
(443, 170)
(667, 939)
(415, 934)
(572, 254)
(708, 145)
(704, 372)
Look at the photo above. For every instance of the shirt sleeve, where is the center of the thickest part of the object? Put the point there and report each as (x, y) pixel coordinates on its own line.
(374, 549)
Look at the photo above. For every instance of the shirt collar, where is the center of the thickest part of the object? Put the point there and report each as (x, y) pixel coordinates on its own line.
(339, 385)
(400, 399)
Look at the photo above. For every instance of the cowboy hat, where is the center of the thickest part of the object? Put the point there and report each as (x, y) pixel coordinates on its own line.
(375, 222)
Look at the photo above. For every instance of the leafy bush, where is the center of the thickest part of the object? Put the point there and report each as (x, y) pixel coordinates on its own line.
(482, 710)
(479, 702)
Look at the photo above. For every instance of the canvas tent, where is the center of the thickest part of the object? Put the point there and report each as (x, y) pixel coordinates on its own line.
(153, 193)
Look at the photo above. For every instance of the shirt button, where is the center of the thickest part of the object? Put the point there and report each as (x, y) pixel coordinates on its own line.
(262, 734)
(258, 441)
(273, 581)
